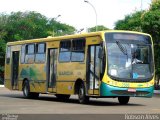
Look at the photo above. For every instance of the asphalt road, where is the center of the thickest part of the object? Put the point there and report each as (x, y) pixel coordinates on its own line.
(12, 102)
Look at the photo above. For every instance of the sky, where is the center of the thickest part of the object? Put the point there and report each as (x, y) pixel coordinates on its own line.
(78, 13)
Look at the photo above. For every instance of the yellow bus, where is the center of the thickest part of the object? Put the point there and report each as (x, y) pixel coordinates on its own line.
(104, 64)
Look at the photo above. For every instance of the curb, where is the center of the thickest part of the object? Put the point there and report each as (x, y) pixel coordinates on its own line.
(1, 85)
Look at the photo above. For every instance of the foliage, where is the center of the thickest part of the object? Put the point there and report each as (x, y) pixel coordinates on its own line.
(151, 25)
(146, 21)
(130, 22)
(99, 28)
(2, 56)
(27, 25)
(58, 29)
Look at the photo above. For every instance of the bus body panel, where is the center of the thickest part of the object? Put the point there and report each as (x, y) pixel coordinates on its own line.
(69, 72)
(112, 91)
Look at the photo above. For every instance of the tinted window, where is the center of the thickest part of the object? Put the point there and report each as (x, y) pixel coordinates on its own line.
(30, 49)
(40, 58)
(65, 51)
(40, 53)
(77, 56)
(128, 37)
(78, 47)
(8, 55)
(64, 56)
(40, 48)
(29, 58)
(23, 54)
(65, 46)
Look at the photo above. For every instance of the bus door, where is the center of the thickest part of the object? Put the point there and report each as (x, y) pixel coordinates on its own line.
(93, 69)
(52, 69)
(15, 69)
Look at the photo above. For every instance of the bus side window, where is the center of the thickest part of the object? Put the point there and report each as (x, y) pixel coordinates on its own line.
(30, 49)
(23, 54)
(78, 48)
(65, 51)
(40, 53)
(8, 55)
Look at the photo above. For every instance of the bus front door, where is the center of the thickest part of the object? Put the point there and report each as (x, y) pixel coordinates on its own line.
(52, 69)
(15, 67)
(93, 69)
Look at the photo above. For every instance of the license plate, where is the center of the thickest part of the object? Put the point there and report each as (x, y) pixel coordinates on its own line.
(131, 90)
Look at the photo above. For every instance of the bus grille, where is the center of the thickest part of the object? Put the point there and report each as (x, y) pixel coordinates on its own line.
(124, 92)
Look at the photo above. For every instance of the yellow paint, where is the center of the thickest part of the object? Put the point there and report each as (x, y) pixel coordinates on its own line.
(52, 90)
(65, 88)
(54, 44)
(93, 92)
(67, 73)
(7, 71)
(90, 92)
(109, 81)
(8, 84)
(71, 71)
(20, 85)
(38, 87)
(93, 40)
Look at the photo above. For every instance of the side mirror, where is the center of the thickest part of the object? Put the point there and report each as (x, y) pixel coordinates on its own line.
(100, 55)
(101, 51)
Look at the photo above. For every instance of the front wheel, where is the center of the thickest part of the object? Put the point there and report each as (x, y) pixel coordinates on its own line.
(82, 95)
(26, 91)
(123, 100)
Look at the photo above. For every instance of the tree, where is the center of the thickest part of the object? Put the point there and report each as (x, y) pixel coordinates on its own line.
(130, 22)
(147, 21)
(151, 25)
(58, 29)
(30, 25)
(99, 28)
(27, 25)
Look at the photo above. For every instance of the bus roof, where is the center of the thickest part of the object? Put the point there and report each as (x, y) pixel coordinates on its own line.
(99, 33)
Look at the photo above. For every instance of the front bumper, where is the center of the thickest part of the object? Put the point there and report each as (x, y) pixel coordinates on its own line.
(112, 91)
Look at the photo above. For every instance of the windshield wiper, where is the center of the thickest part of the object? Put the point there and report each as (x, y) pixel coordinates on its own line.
(122, 48)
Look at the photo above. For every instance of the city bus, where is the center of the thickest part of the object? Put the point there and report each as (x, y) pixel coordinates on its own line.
(103, 64)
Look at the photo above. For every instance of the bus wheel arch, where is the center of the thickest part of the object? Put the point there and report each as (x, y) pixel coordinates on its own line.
(81, 91)
(77, 84)
(26, 90)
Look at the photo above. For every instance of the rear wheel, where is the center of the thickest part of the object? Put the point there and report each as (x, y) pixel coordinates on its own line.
(123, 100)
(26, 91)
(82, 94)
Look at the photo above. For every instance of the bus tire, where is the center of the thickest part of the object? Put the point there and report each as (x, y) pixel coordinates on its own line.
(123, 100)
(82, 94)
(26, 91)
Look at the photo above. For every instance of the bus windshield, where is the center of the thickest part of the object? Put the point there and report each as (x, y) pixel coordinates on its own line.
(129, 58)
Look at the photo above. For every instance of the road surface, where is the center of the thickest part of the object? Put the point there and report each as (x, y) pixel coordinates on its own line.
(12, 102)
